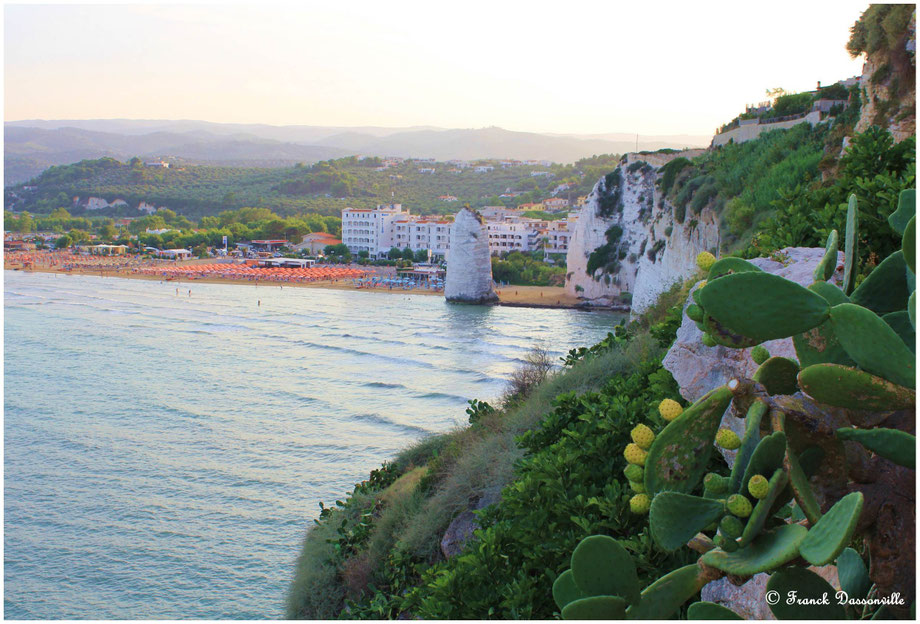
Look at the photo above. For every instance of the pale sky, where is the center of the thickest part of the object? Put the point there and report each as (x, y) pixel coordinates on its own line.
(568, 66)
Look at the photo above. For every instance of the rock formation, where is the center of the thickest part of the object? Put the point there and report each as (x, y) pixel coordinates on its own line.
(639, 247)
(469, 263)
(697, 369)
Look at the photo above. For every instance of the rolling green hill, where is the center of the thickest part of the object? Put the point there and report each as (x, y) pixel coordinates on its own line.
(324, 188)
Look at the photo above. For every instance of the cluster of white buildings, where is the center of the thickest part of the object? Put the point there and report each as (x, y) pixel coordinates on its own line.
(380, 229)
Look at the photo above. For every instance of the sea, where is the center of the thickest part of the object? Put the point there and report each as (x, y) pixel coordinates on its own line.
(166, 446)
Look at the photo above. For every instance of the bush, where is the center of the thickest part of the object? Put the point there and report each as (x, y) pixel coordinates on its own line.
(738, 215)
(536, 367)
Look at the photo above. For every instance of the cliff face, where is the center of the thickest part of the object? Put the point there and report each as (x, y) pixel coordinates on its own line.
(638, 246)
(888, 85)
(469, 264)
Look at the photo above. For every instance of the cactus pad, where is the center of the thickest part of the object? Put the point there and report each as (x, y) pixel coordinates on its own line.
(749, 443)
(894, 445)
(912, 309)
(745, 303)
(808, 587)
(770, 550)
(695, 313)
(833, 532)
(764, 508)
(602, 567)
(710, 611)
(851, 388)
(909, 245)
(872, 344)
(853, 575)
(778, 375)
(663, 598)
(900, 322)
(565, 590)
(767, 457)
(675, 518)
(728, 266)
(680, 454)
(595, 608)
(828, 263)
(885, 289)
(819, 345)
(907, 208)
(831, 293)
(801, 489)
(850, 246)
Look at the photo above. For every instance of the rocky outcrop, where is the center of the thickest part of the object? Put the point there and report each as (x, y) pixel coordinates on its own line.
(639, 247)
(461, 529)
(888, 87)
(469, 263)
(697, 369)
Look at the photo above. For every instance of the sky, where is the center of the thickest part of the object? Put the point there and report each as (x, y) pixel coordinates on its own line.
(653, 68)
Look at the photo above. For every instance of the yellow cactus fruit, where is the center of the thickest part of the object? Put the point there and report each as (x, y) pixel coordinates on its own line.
(702, 284)
(739, 506)
(634, 454)
(670, 409)
(705, 260)
(643, 436)
(640, 504)
(728, 439)
(638, 488)
(758, 486)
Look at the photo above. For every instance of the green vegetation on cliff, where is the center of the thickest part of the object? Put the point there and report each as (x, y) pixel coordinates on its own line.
(544, 456)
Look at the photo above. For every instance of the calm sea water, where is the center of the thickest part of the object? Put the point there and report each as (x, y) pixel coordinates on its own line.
(165, 454)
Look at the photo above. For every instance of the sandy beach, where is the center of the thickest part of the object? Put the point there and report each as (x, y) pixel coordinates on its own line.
(524, 296)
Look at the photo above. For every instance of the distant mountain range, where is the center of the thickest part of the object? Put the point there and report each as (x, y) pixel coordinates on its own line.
(31, 146)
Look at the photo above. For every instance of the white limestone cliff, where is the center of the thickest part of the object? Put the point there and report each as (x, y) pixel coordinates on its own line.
(469, 263)
(653, 251)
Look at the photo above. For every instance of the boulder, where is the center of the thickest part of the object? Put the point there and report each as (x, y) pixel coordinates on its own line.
(748, 600)
(460, 530)
(699, 369)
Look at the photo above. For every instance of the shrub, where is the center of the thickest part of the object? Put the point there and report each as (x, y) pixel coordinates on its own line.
(738, 215)
(533, 371)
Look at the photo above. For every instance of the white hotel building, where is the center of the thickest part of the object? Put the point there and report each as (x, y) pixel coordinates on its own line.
(378, 230)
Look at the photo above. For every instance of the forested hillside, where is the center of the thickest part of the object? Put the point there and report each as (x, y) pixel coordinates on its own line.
(324, 188)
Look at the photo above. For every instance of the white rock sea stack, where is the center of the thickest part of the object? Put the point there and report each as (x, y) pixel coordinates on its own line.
(469, 263)
(653, 250)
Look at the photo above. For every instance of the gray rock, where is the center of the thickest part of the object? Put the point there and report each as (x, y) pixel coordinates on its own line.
(699, 369)
(749, 600)
(460, 530)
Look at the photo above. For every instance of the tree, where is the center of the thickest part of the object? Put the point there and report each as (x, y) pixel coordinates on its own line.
(421, 255)
(364, 253)
(63, 242)
(395, 253)
(108, 232)
(408, 254)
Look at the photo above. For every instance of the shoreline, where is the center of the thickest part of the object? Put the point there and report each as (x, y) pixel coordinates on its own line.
(549, 297)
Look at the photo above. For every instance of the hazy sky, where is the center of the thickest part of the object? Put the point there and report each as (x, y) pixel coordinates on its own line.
(566, 66)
